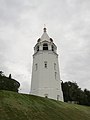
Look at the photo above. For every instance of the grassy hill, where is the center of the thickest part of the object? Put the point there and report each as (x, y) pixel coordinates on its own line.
(15, 106)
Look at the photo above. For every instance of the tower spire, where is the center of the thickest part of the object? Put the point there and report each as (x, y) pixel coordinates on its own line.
(45, 68)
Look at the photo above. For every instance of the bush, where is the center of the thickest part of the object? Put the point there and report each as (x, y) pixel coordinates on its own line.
(8, 84)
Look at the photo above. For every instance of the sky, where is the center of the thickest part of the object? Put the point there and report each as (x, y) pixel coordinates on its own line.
(67, 22)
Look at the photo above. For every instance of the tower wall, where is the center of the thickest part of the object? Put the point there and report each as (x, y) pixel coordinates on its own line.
(46, 79)
(45, 71)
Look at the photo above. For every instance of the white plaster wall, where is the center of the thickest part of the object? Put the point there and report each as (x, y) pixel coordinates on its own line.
(43, 79)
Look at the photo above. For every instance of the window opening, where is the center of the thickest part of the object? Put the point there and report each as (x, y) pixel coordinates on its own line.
(54, 66)
(37, 48)
(36, 66)
(52, 48)
(46, 95)
(38, 40)
(55, 75)
(58, 96)
(51, 39)
(45, 64)
(45, 46)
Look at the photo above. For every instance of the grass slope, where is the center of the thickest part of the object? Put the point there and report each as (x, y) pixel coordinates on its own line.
(14, 106)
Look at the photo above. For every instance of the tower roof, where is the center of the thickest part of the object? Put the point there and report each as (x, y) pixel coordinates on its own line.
(45, 36)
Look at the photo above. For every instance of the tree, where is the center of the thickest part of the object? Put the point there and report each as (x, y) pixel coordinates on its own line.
(1, 73)
(72, 92)
(10, 76)
(87, 94)
(7, 83)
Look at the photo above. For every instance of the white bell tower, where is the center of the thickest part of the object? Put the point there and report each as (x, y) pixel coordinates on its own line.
(45, 80)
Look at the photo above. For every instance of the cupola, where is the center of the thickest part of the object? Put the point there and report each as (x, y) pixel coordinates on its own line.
(45, 43)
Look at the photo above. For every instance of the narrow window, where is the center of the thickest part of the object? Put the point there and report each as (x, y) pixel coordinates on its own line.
(45, 46)
(58, 97)
(52, 48)
(45, 64)
(37, 48)
(36, 66)
(55, 75)
(54, 66)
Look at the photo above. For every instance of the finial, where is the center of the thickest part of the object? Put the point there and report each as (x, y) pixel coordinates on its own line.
(44, 28)
(44, 25)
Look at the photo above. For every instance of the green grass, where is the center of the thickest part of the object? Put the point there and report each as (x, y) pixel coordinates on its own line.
(15, 106)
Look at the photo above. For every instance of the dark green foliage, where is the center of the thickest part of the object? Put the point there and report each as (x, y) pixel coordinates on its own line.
(1, 73)
(9, 76)
(72, 92)
(8, 83)
(15, 106)
(87, 96)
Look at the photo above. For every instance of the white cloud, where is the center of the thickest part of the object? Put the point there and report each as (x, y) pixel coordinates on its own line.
(67, 21)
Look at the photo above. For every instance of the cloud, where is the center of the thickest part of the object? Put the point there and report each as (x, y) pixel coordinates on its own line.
(67, 21)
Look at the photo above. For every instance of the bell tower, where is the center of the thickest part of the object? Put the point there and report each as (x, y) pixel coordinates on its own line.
(45, 81)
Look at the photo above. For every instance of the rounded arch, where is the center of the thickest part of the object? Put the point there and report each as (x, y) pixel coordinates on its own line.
(52, 48)
(38, 48)
(45, 46)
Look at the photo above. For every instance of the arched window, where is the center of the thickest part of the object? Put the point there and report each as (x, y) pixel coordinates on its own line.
(45, 64)
(52, 48)
(37, 48)
(58, 97)
(55, 75)
(36, 66)
(46, 95)
(45, 46)
(54, 66)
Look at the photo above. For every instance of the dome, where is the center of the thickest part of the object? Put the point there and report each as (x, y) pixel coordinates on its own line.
(45, 36)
